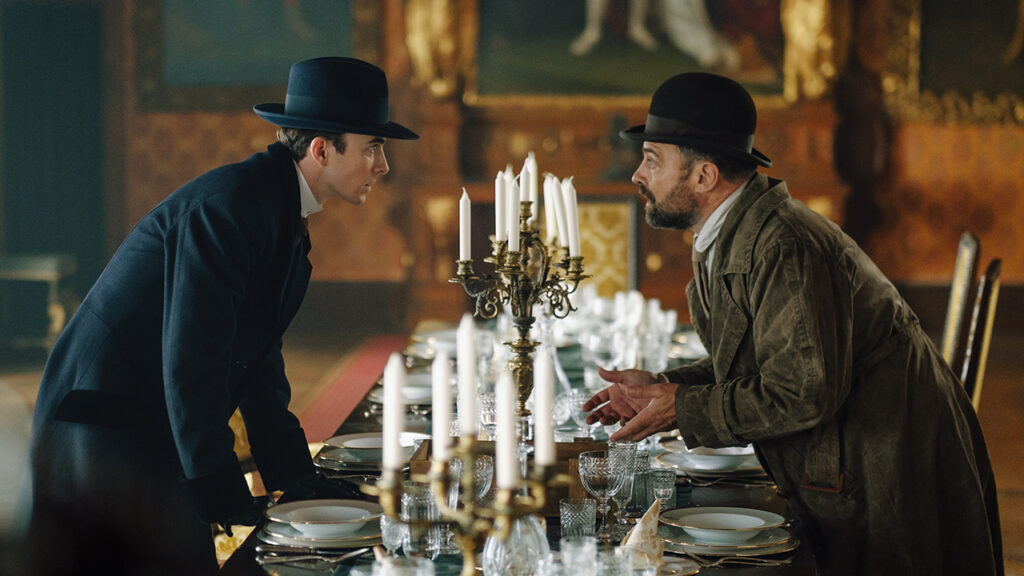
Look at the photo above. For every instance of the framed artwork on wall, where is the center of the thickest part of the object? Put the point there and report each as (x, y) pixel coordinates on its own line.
(200, 55)
(932, 77)
(619, 51)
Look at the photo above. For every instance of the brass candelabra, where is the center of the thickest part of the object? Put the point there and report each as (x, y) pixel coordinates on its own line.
(522, 278)
(470, 520)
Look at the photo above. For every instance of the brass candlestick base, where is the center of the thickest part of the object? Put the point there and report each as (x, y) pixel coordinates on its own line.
(522, 279)
(471, 522)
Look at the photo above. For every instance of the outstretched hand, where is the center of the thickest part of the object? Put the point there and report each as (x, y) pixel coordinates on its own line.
(643, 405)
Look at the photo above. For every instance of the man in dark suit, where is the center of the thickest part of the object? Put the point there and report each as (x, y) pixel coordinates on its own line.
(132, 455)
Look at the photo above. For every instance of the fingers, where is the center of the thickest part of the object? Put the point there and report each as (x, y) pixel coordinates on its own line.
(597, 399)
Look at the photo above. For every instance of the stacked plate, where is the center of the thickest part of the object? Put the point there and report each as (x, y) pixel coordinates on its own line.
(429, 344)
(418, 390)
(362, 452)
(328, 523)
(725, 531)
(704, 462)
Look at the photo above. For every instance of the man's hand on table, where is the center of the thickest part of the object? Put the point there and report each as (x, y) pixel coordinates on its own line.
(637, 400)
(251, 515)
(314, 486)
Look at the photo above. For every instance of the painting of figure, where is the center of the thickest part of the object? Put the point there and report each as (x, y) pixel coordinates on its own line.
(623, 47)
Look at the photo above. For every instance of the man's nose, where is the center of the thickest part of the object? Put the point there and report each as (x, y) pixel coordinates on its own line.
(382, 167)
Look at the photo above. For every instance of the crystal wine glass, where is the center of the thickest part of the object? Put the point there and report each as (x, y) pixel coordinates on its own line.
(623, 456)
(601, 478)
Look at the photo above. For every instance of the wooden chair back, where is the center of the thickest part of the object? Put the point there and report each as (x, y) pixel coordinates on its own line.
(964, 272)
(980, 334)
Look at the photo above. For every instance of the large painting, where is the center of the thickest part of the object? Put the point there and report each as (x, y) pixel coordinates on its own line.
(624, 47)
(197, 54)
(933, 76)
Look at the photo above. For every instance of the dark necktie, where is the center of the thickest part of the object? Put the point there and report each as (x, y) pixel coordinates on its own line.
(700, 277)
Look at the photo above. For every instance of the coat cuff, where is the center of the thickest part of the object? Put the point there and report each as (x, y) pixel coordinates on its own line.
(700, 415)
(220, 495)
(282, 458)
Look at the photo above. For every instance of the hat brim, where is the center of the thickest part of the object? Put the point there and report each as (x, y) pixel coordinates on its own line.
(636, 133)
(274, 113)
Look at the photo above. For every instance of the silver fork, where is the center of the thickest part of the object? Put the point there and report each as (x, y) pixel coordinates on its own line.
(738, 561)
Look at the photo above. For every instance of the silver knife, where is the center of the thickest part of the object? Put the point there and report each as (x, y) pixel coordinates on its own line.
(329, 558)
(275, 549)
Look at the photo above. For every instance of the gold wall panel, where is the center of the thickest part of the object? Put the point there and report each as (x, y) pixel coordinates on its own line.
(607, 243)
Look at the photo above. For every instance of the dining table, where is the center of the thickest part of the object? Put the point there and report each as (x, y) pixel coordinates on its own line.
(366, 417)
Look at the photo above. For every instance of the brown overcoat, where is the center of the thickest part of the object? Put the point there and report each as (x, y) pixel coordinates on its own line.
(816, 359)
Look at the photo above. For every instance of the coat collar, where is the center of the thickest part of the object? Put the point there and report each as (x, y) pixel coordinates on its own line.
(761, 198)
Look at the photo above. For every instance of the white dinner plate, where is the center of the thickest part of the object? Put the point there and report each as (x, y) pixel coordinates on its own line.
(331, 518)
(678, 516)
(749, 466)
(338, 460)
(775, 541)
(713, 459)
(342, 453)
(285, 535)
(411, 396)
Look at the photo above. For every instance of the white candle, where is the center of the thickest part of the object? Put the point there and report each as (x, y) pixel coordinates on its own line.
(441, 415)
(506, 464)
(513, 215)
(533, 195)
(558, 199)
(543, 400)
(572, 219)
(465, 360)
(464, 226)
(500, 206)
(550, 224)
(394, 412)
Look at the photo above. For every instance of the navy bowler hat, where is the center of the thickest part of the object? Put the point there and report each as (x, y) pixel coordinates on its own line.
(336, 94)
(702, 111)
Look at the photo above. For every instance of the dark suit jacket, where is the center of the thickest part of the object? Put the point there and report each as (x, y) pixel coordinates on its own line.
(184, 326)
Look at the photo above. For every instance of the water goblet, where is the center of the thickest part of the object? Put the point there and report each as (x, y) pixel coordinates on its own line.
(392, 534)
(488, 414)
(579, 554)
(422, 536)
(623, 456)
(663, 482)
(601, 479)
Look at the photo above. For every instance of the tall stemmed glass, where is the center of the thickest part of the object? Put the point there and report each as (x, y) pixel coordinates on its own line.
(601, 478)
(623, 457)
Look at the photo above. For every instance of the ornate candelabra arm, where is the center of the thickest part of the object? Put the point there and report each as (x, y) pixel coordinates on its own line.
(575, 273)
(388, 491)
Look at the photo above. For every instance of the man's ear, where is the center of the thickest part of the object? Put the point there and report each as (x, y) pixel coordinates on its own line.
(707, 176)
(318, 150)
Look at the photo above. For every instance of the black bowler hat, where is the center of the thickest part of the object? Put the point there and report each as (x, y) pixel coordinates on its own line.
(702, 111)
(336, 94)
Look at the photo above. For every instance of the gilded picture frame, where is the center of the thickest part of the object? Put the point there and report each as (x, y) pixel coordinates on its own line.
(929, 80)
(223, 56)
(812, 34)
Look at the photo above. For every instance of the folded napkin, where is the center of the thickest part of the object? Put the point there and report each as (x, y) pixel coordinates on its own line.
(643, 538)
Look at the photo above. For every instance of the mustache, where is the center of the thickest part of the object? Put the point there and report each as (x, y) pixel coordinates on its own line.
(645, 192)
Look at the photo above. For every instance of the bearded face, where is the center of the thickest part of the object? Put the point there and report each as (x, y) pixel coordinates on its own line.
(677, 211)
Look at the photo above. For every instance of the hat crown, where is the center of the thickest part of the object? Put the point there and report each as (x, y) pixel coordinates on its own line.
(337, 89)
(707, 102)
(336, 94)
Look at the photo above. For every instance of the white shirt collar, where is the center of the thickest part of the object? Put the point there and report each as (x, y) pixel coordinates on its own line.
(308, 201)
(704, 241)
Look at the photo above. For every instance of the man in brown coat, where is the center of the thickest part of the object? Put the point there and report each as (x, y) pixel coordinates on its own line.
(813, 357)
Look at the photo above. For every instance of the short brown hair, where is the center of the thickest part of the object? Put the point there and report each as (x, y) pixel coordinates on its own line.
(297, 140)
